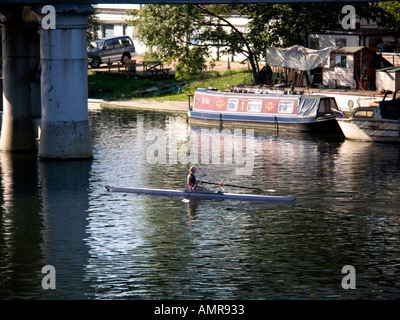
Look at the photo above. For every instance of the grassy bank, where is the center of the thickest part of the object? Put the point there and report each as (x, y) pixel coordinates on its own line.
(113, 86)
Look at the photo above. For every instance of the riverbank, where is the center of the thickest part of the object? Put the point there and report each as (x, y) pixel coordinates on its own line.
(114, 89)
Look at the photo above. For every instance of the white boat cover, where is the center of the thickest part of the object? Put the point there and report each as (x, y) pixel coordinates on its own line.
(299, 57)
(308, 106)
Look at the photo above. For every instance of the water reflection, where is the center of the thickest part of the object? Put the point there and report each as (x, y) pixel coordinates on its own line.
(191, 209)
(65, 204)
(107, 246)
(43, 222)
(20, 226)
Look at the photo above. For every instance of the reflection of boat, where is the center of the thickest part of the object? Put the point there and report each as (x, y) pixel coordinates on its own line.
(202, 195)
(379, 124)
(276, 111)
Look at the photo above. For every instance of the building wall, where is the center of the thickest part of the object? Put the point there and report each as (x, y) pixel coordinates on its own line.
(240, 24)
(392, 58)
(113, 17)
(321, 41)
(339, 76)
(388, 80)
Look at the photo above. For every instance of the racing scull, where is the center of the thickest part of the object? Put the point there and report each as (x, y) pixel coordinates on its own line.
(201, 195)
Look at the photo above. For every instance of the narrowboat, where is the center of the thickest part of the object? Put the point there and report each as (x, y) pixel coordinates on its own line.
(346, 100)
(279, 112)
(379, 124)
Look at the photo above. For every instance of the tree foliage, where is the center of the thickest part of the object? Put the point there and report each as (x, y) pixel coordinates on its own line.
(389, 14)
(186, 33)
(93, 29)
(169, 32)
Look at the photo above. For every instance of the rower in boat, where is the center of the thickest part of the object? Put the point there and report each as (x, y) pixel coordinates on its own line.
(192, 182)
(201, 195)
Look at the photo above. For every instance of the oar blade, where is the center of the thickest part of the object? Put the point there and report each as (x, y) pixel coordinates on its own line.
(232, 185)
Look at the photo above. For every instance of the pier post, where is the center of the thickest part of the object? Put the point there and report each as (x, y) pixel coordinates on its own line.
(64, 125)
(20, 58)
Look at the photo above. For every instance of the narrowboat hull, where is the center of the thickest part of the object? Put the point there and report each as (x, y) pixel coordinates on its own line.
(377, 124)
(328, 125)
(371, 130)
(293, 113)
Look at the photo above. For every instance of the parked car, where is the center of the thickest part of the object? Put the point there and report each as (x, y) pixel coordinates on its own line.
(110, 50)
(389, 46)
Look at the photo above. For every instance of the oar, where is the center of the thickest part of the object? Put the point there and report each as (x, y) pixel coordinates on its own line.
(187, 198)
(234, 186)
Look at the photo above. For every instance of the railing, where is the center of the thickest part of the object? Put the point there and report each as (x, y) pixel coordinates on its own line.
(155, 69)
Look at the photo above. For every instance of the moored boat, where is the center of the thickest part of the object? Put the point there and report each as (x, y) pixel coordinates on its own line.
(378, 124)
(286, 112)
(185, 194)
(346, 99)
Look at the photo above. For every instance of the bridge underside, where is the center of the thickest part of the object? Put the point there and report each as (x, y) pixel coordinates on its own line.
(45, 82)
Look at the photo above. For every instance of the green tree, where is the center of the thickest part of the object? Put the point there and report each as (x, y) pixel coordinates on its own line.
(170, 33)
(186, 33)
(389, 17)
(93, 28)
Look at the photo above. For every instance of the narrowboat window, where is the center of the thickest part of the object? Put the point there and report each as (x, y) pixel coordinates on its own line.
(333, 104)
(364, 114)
(286, 106)
(233, 104)
(254, 105)
(324, 106)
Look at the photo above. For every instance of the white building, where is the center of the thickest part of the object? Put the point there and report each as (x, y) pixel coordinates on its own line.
(351, 67)
(367, 37)
(113, 18)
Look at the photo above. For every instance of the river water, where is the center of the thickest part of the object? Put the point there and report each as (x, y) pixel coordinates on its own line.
(123, 246)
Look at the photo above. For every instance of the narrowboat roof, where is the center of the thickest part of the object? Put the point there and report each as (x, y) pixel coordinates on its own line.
(264, 95)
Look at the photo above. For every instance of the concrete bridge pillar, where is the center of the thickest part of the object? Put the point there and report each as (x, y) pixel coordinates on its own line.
(20, 57)
(64, 125)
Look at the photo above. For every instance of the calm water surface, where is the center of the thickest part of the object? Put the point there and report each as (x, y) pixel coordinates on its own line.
(120, 246)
